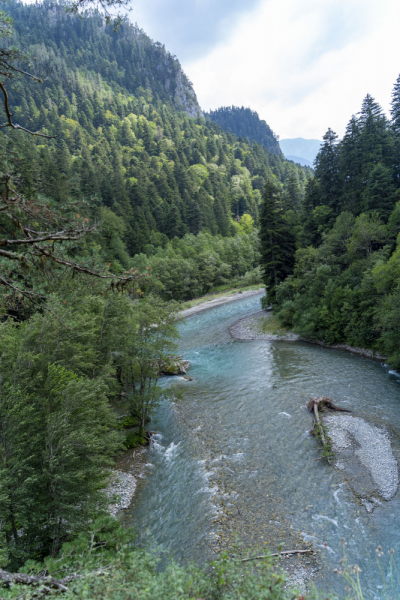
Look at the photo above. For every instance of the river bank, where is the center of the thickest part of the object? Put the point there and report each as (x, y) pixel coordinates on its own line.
(253, 328)
(234, 464)
(205, 304)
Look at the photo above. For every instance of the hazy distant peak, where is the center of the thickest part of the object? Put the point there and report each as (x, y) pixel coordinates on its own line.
(300, 148)
(300, 160)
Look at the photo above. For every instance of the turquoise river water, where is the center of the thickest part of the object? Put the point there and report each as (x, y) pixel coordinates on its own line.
(233, 459)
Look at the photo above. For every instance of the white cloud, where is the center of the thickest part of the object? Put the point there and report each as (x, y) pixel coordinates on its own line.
(304, 66)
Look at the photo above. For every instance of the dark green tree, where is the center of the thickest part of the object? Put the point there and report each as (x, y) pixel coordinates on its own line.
(276, 240)
(327, 172)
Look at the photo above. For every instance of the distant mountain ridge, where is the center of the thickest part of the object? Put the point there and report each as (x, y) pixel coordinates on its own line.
(129, 59)
(301, 161)
(246, 123)
(300, 148)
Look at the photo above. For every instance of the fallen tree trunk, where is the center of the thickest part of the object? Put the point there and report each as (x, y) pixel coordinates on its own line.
(314, 405)
(319, 423)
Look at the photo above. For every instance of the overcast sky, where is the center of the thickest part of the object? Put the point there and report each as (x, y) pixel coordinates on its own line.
(303, 65)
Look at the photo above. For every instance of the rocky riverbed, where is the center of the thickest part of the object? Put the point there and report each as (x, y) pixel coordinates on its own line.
(364, 453)
(188, 312)
(122, 486)
(250, 328)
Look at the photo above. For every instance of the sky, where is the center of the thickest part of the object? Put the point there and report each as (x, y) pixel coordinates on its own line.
(303, 65)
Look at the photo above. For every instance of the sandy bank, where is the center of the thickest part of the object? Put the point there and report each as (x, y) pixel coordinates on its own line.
(194, 310)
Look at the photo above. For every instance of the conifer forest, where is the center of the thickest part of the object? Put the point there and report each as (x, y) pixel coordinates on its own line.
(120, 200)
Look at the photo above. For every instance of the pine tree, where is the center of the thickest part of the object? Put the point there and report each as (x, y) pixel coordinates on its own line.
(293, 195)
(380, 191)
(276, 240)
(395, 123)
(350, 163)
(327, 172)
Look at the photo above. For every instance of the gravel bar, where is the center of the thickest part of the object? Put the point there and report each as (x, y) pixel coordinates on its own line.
(373, 449)
(188, 312)
(123, 485)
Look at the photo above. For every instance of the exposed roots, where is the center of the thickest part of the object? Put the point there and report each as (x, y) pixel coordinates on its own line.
(324, 402)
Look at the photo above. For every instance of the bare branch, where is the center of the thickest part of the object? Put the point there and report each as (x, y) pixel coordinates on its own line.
(80, 269)
(9, 115)
(284, 553)
(13, 256)
(56, 237)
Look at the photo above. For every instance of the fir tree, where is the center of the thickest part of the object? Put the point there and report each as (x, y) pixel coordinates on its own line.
(327, 171)
(276, 239)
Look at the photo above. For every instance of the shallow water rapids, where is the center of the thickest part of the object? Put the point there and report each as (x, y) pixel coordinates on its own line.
(233, 459)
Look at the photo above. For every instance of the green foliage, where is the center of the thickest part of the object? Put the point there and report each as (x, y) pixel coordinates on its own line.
(57, 428)
(192, 266)
(320, 431)
(124, 140)
(54, 447)
(134, 440)
(276, 240)
(150, 332)
(127, 422)
(110, 567)
(245, 123)
(345, 282)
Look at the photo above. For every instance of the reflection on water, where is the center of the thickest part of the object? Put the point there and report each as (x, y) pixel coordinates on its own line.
(234, 457)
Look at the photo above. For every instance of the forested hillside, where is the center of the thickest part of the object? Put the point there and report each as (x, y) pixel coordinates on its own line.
(246, 123)
(343, 282)
(118, 106)
(123, 187)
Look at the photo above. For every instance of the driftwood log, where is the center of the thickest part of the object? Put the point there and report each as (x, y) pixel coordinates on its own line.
(316, 404)
(324, 402)
(284, 553)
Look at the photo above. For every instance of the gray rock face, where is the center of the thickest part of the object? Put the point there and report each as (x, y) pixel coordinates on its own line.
(185, 96)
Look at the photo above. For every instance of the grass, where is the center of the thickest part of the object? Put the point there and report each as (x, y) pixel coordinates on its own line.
(271, 323)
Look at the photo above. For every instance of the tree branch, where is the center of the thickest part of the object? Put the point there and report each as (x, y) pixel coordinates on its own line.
(9, 115)
(13, 256)
(57, 237)
(80, 269)
(276, 554)
(46, 581)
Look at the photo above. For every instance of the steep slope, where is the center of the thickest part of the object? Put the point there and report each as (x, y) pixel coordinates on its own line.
(118, 105)
(127, 59)
(246, 123)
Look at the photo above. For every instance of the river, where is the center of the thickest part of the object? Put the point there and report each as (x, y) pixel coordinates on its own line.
(233, 459)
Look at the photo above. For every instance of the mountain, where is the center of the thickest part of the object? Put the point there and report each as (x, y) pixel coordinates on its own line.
(246, 123)
(129, 136)
(299, 160)
(128, 59)
(301, 148)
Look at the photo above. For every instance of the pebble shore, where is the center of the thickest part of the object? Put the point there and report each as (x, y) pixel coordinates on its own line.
(360, 444)
(188, 312)
(248, 328)
(123, 485)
